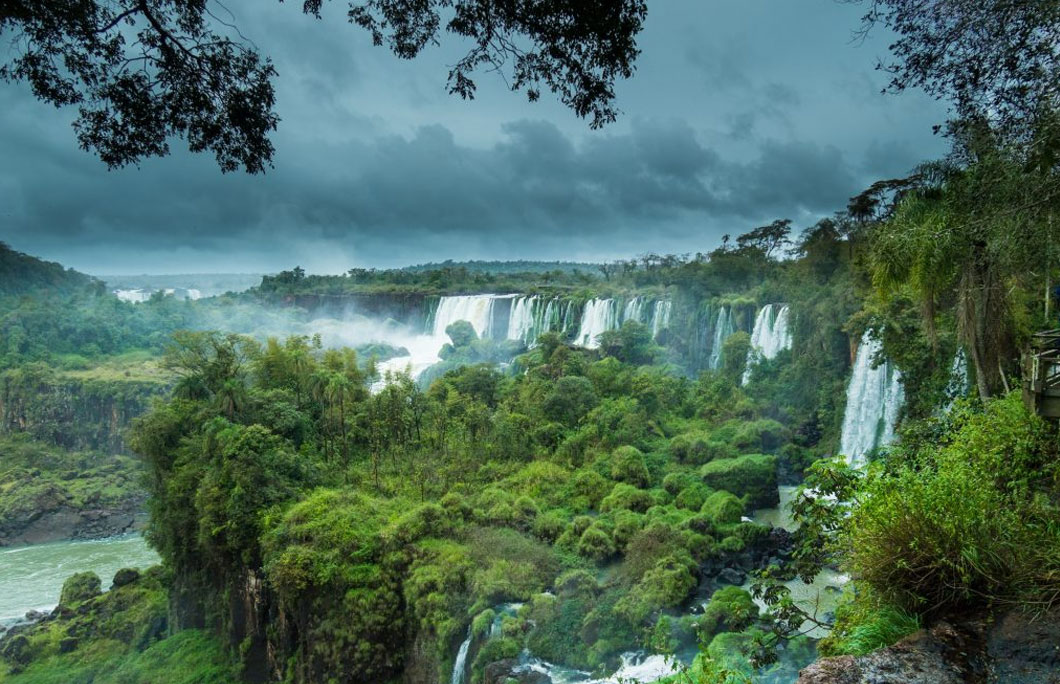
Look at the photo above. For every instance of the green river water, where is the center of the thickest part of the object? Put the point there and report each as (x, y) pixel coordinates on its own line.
(31, 577)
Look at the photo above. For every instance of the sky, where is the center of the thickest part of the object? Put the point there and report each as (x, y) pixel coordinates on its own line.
(740, 112)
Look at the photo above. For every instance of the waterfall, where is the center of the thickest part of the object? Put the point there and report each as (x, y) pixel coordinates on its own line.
(874, 397)
(660, 316)
(598, 316)
(770, 336)
(723, 328)
(958, 384)
(461, 660)
(475, 309)
(522, 323)
(634, 310)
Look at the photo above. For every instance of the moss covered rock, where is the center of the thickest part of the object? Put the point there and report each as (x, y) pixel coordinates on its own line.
(753, 476)
(80, 587)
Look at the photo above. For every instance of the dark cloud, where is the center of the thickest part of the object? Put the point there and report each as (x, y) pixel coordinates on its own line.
(738, 114)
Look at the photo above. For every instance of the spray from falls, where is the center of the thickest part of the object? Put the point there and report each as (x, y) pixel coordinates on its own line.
(723, 329)
(771, 335)
(874, 397)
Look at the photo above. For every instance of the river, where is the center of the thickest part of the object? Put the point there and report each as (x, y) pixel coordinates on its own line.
(31, 577)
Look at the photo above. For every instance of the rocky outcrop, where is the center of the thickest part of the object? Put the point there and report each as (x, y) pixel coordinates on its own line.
(1013, 648)
(508, 671)
(57, 521)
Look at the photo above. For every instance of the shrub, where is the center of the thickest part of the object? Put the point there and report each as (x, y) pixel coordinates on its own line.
(692, 497)
(761, 435)
(591, 485)
(753, 476)
(80, 587)
(627, 465)
(549, 526)
(730, 609)
(627, 497)
(723, 508)
(667, 584)
(596, 543)
(675, 482)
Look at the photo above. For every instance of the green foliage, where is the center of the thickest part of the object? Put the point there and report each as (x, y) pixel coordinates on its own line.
(963, 524)
(862, 626)
(724, 508)
(627, 465)
(730, 609)
(80, 587)
(753, 476)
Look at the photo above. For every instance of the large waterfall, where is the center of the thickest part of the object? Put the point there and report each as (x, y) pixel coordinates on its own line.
(874, 398)
(598, 316)
(460, 663)
(634, 310)
(723, 329)
(770, 336)
(475, 309)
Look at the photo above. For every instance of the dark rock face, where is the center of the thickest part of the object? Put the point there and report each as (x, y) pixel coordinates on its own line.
(1012, 649)
(56, 520)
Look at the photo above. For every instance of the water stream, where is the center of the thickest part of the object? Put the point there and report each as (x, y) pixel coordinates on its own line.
(31, 577)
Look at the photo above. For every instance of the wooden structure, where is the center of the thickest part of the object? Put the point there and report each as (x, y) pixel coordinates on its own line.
(1041, 376)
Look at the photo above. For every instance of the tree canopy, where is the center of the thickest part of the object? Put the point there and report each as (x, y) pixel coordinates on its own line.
(142, 72)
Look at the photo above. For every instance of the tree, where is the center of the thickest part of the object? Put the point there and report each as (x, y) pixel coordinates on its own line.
(142, 72)
(989, 57)
(768, 239)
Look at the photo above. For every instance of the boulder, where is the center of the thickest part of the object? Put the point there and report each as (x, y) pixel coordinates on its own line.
(80, 587)
(732, 576)
(125, 576)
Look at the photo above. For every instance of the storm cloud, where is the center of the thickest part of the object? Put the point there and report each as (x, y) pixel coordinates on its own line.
(739, 114)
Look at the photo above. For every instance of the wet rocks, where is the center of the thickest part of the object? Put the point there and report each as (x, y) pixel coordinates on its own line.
(508, 671)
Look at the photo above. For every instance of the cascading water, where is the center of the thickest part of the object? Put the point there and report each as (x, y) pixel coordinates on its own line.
(660, 316)
(634, 310)
(958, 384)
(770, 336)
(874, 398)
(460, 664)
(723, 329)
(475, 309)
(522, 321)
(598, 316)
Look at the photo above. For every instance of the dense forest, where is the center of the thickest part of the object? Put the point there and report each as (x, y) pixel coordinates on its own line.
(819, 453)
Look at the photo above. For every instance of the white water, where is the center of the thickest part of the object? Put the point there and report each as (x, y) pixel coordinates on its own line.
(770, 336)
(634, 310)
(137, 296)
(634, 667)
(723, 328)
(521, 321)
(874, 397)
(660, 317)
(475, 309)
(598, 317)
(31, 577)
(461, 660)
(958, 384)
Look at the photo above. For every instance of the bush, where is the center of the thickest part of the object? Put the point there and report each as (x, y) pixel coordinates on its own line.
(596, 543)
(761, 435)
(627, 465)
(860, 631)
(753, 476)
(966, 524)
(692, 497)
(80, 587)
(627, 497)
(730, 609)
(723, 508)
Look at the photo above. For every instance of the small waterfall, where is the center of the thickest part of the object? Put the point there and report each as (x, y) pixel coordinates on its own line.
(459, 665)
(475, 309)
(598, 316)
(770, 336)
(660, 316)
(958, 384)
(634, 310)
(723, 328)
(522, 322)
(874, 397)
